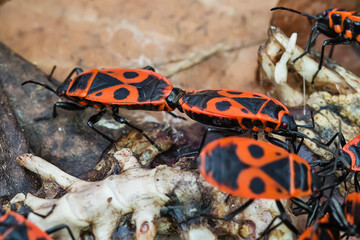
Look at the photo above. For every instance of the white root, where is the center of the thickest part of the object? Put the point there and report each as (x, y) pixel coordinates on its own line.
(280, 73)
(281, 47)
(47, 171)
(99, 206)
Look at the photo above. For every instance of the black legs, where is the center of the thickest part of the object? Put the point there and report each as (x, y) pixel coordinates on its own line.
(284, 220)
(328, 42)
(122, 120)
(224, 132)
(57, 227)
(67, 106)
(95, 118)
(282, 216)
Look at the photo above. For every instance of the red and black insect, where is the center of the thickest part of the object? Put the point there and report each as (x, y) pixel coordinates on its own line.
(352, 210)
(349, 157)
(340, 218)
(323, 229)
(248, 168)
(350, 151)
(134, 89)
(16, 227)
(240, 110)
(347, 217)
(341, 26)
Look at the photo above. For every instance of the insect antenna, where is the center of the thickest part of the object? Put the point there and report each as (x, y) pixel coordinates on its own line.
(41, 84)
(50, 79)
(326, 148)
(292, 10)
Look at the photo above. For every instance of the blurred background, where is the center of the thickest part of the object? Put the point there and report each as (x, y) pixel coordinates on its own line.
(197, 44)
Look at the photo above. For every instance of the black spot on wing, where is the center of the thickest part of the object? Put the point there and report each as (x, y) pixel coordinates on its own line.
(301, 176)
(98, 94)
(151, 89)
(279, 170)
(244, 110)
(103, 81)
(251, 104)
(80, 82)
(130, 75)
(272, 109)
(257, 185)
(224, 165)
(256, 151)
(121, 94)
(223, 105)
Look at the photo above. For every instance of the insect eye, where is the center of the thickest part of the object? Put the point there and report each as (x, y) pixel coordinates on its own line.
(324, 13)
(62, 92)
(284, 125)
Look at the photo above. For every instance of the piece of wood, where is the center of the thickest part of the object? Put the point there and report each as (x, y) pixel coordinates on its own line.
(66, 141)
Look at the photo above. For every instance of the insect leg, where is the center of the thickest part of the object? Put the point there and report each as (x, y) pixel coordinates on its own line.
(64, 105)
(203, 140)
(338, 213)
(94, 119)
(284, 220)
(67, 106)
(331, 51)
(77, 70)
(176, 116)
(312, 121)
(58, 228)
(50, 79)
(53, 229)
(301, 205)
(310, 42)
(237, 211)
(122, 120)
(277, 142)
(335, 41)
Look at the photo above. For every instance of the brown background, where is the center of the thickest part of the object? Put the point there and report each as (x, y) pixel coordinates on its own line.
(131, 34)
